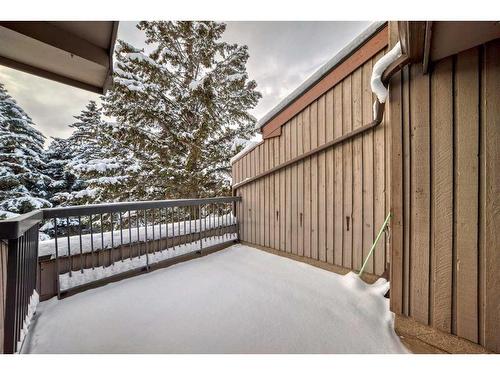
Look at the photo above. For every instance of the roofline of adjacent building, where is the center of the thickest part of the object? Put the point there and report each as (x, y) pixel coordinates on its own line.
(331, 64)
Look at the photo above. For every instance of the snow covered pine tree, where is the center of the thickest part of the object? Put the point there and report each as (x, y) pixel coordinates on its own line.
(99, 167)
(98, 161)
(184, 106)
(23, 185)
(57, 159)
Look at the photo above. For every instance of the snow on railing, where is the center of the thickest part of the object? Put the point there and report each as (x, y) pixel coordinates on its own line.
(94, 242)
(159, 231)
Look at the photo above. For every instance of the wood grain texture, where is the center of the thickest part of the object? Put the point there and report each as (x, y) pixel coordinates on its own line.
(307, 184)
(466, 193)
(347, 172)
(379, 191)
(330, 185)
(314, 182)
(300, 187)
(406, 189)
(338, 178)
(420, 194)
(357, 171)
(288, 189)
(490, 200)
(321, 181)
(367, 143)
(293, 189)
(442, 195)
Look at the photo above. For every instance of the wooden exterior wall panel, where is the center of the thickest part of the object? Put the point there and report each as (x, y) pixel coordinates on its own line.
(445, 259)
(322, 180)
(420, 194)
(466, 192)
(300, 187)
(330, 174)
(325, 203)
(314, 181)
(338, 179)
(379, 191)
(489, 307)
(294, 215)
(367, 144)
(306, 133)
(442, 193)
(357, 171)
(347, 172)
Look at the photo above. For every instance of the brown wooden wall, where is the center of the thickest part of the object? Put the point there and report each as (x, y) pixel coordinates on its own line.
(328, 206)
(446, 188)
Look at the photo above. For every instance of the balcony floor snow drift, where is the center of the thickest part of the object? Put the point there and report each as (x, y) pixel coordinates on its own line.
(237, 300)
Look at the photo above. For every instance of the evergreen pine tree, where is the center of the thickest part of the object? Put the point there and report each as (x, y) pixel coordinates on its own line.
(23, 185)
(98, 161)
(57, 158)
(183, 107)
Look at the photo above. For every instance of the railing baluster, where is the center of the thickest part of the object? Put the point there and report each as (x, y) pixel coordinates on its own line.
(173, 227)
(102, 242)
(201, 238)
(184, 219)
(26, 275)
(121, 236)
(111, 256)
(153, 221)
(219, 231)
(146, 238)
(70, 258)
(160, 240)
(189, 238)
(138, 234)
(166, 228)
(129, 235)
(92, 242)
(178, 224)
(207, 207)
(58, 286)
(80, 240)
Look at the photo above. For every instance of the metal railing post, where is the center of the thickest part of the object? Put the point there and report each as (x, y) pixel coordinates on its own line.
(11, 300)
(201, 238)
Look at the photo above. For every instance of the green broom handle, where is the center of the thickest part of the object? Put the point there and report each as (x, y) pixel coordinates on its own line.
(386, 222)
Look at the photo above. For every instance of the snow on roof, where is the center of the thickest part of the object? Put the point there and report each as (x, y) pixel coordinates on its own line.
(250, 145)
(321, 72)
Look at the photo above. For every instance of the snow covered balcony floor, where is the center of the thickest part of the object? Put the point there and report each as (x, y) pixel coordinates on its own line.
(238, 300)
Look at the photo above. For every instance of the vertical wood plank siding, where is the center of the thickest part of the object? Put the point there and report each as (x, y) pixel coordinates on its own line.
(445, 255)
(327, 206)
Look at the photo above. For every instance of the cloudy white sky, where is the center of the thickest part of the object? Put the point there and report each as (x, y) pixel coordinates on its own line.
(282, 55)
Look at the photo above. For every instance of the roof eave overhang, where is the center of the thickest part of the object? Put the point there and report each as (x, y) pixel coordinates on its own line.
(46, 50)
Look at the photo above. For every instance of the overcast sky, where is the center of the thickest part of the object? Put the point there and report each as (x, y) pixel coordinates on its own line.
(282, 56)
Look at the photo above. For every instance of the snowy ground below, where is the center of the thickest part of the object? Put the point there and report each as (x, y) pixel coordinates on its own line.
(238, 300)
